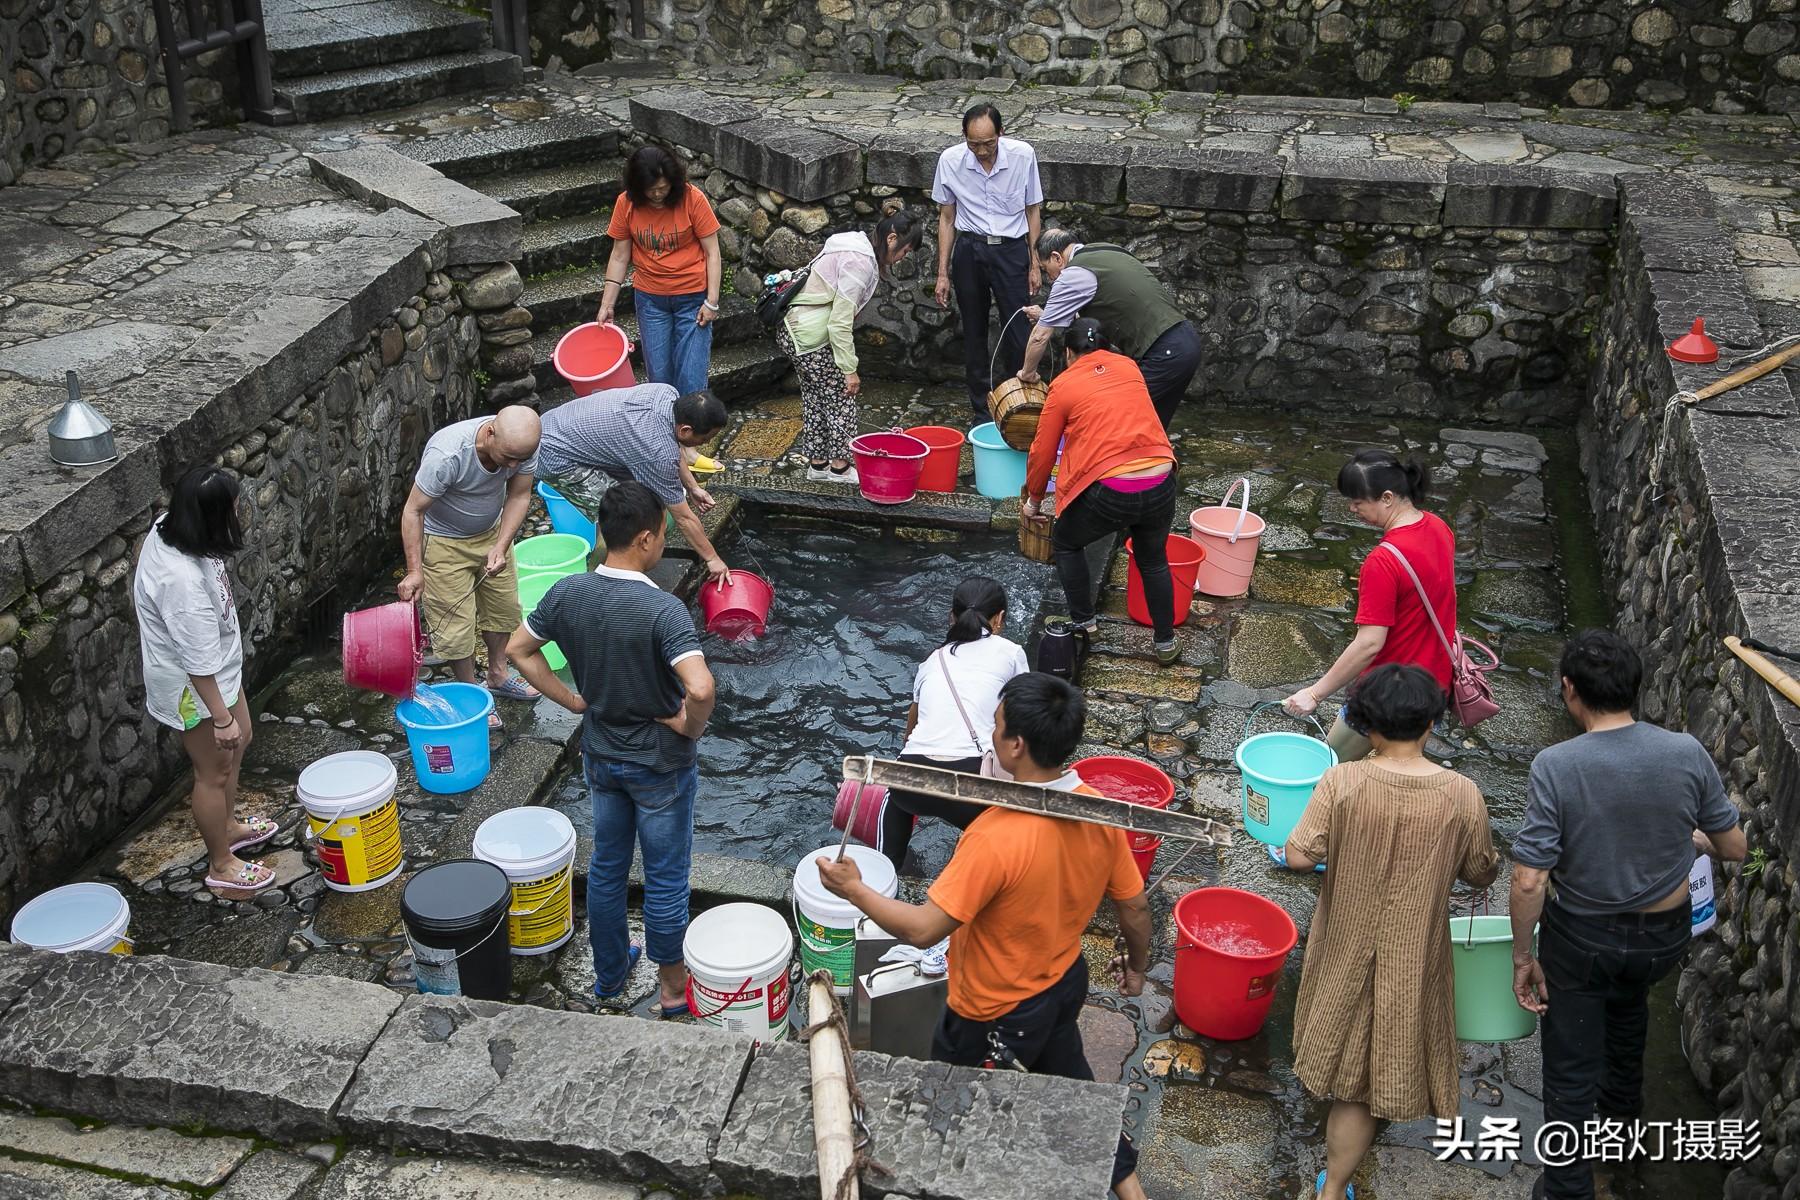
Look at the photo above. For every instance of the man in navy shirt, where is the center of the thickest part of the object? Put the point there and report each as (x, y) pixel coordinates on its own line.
(645, 696)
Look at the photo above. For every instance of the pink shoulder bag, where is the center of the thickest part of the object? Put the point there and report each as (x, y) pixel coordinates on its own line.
(1471, 693)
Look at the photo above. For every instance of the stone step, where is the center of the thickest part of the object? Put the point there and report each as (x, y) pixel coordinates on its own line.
(548, 246)
(551, 192)
(741, 370)
(396, 85)
(567, 298)
(571, 139)
(316, 42)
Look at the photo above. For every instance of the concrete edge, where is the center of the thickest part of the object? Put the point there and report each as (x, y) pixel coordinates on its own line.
(480, 229)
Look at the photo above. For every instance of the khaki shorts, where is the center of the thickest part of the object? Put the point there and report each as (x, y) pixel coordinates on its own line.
(457, 608)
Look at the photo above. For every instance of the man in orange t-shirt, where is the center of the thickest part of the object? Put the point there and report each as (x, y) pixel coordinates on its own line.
(1014, 901)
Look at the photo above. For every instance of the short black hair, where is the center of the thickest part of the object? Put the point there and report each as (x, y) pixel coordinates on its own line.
(977, 112)
(627, 509)
(1086, 334)
(1372, 472)
(648, 164)
(1398, 701)
(1603, 669)
(202, 519)
(1053, 241)
(702, 410)
(1049, 713)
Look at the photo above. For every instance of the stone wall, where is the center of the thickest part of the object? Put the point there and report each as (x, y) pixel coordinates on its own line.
(85, 73)
(1723, 57)
(1695, 516)
(1385, 287)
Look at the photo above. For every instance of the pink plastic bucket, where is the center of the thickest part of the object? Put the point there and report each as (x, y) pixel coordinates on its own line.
(384, 648)
(863, 817)
(594, 358)
(888, 466)
(1231, 537)
(739, 608)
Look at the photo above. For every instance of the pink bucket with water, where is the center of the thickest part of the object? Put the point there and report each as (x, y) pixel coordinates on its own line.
(888, 466)
(1232, 537)
(594, 358)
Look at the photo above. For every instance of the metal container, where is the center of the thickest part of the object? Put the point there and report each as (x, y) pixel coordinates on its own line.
(872, 941)
(79, 435)
(903, 1006)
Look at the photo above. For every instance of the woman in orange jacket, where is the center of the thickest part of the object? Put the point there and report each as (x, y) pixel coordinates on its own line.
(1117, 476)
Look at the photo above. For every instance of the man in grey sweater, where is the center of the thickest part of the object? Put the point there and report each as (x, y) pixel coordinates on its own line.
(1613, 821)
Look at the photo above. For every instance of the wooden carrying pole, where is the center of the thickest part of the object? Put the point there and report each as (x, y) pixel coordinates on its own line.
(834, 1136)
(1028, 797)
(1776, 678)
(1755, 370)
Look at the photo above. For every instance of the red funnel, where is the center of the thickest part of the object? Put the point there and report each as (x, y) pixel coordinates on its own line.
(1694, 346)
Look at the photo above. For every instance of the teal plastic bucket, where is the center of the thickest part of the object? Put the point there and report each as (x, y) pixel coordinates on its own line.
(999, 469)
(1481, 958)
(453, 757)
(565, 517)
(1279, 771)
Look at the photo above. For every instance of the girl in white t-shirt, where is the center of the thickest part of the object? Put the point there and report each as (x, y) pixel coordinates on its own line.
(951, 721)
(194, 663)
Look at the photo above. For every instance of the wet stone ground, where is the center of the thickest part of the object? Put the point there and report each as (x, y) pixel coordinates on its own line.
(1212, 1118)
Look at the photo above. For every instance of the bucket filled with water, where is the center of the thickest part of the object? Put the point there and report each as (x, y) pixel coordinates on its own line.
(1135, 782)
(455, 914)
(999, 469)
(739, 609)
(828, 924)
(1229, 949)
(737, 958)
(1481, 955)
(1277, 774)
(1232, 537)
(536, 848)
(76, 916)
(555, 554)
(531, 593)
(1185, 557)
(943, 458)
(352, 820)
(384, 647)
(888, 466)
(565, 517)
(446, 727)
(594, 358)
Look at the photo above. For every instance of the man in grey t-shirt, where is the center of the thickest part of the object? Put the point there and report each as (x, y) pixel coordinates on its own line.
(1613, 821)
(467, 502)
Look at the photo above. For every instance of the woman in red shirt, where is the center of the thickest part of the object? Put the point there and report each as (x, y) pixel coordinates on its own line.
(1118, 476)
(1391, 625)
(663, 225)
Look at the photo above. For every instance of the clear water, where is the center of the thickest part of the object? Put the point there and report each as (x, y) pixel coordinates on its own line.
(1232, 937)
(438, 710)
(855, 613)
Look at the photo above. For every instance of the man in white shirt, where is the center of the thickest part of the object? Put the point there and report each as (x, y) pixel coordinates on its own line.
(990, 202)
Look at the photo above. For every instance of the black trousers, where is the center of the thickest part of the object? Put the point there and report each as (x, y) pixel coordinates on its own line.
(1599, 971)
(980, 273)
(1100, 510)
(1169, 366)
(1043, 1035)
(902, 807)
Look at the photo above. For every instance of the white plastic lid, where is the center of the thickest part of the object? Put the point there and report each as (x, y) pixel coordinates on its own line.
(525, 838)
(66, 916)
(742, 939)
(353, 779)
(821, 905)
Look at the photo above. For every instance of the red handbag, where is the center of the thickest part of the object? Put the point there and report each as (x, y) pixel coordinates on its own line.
(1471, 693)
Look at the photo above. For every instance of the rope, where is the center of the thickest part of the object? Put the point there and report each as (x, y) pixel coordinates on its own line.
(862, 1160)
(999, 342)
(1683, 400)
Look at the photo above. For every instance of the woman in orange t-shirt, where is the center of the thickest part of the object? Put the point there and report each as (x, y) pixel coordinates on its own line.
(664, 227)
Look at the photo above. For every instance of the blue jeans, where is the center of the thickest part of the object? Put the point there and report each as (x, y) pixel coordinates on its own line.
(656, 809)
(676, 351)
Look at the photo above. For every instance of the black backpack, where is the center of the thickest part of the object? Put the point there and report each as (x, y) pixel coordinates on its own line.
(774, 303)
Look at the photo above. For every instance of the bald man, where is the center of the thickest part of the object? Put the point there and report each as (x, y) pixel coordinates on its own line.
(467, 503)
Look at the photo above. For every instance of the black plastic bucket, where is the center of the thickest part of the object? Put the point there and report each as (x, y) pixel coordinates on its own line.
(456, 920)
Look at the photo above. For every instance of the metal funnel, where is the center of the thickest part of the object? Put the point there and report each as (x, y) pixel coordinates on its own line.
(79, 435)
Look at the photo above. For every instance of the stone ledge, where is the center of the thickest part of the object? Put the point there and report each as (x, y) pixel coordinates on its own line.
(478, 229)
(798, 161)
(689, 118)
(1365, 191)
(1528, 197)
(1088, 170)
(903, 159)
(1224, 180)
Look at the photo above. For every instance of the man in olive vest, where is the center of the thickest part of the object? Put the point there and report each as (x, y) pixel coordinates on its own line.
(1104, 281)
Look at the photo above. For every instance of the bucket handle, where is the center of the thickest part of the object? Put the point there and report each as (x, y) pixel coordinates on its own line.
(1475, 902)
(1243, 511)
(1309, 719)
(743, 993)
(498, 926)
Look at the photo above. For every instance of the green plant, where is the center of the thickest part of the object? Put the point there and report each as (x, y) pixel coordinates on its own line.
(1755, 864)
(1405, 100)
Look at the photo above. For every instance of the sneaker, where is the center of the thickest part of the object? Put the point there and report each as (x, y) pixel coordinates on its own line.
(827, 475)
(1167, 655)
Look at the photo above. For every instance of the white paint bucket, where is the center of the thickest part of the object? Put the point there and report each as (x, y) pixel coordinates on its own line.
(352, 819)
(77, 916)
(536, 848)
(1700, 894)
(737, 959)
(827, 924)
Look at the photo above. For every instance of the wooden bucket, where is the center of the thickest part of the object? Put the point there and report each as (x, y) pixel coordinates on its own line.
(1015, 408)
(1034, 537)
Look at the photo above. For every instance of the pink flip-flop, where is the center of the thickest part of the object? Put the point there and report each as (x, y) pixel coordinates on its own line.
(253, 878)
(261, 830)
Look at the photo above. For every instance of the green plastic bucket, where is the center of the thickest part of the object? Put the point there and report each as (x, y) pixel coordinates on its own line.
(1481, 958)
(554, 554)
(531, 590)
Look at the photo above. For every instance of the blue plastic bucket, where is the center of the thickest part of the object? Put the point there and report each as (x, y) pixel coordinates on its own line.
(999, 469)
(565, 517)
(1279, 771)
(449, 758)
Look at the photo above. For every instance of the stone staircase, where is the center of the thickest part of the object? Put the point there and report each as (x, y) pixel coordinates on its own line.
(562, 174)
(333, 58)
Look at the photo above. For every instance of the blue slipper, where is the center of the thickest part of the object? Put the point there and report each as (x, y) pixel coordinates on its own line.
(632, 955)
(1349, 1188)
(1279, 855)
(672, 1011)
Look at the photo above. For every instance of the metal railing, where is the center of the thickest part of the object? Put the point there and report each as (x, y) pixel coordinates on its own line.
(214, 25)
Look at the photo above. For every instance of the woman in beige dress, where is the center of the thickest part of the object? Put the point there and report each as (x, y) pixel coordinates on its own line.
(1375, 1023)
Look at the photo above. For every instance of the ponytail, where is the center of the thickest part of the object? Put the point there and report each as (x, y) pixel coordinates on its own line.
(907, 233)
(1373, 472)
(977, 601)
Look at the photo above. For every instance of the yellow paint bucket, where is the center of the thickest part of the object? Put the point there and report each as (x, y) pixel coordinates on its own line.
(352, 819)
(536, 848)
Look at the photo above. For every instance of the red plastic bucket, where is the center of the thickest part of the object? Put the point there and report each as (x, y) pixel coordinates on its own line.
(384, 648)
(739, 608)
(944, 458)
(594, 358)
(1185, 557)
(887, 466)
(867, 814)
(1135, 782)
(1229, 949)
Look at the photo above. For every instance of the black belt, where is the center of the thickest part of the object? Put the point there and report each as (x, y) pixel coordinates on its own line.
(991, 239)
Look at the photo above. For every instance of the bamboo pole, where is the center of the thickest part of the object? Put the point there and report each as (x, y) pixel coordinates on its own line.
(1776, 678)
(1755, 370)
(834, 1138)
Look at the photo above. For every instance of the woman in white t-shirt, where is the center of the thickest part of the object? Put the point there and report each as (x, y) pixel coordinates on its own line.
(194, 663)
(951, 722)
